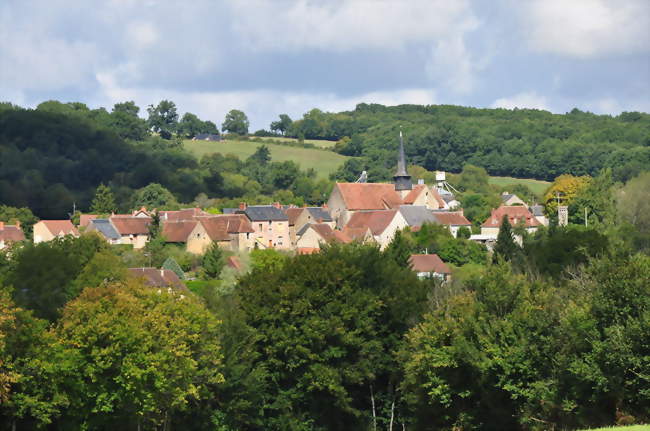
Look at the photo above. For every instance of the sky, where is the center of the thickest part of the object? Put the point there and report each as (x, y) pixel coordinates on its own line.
(289, 56)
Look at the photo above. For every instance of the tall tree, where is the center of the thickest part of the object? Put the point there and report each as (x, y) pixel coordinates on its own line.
(163, 118)
(104, 201)
(236, 122)
(154, 196)
(213, 261)
(505, 248)
(282, 125)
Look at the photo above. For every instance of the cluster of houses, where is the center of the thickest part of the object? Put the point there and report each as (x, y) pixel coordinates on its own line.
(360, 211)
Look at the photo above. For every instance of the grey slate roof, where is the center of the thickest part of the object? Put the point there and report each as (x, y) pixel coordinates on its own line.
(319, 213)
(105, 227)
(537, 210)
(230, 210)
(416, 215)
(505, 197)
(264, 213)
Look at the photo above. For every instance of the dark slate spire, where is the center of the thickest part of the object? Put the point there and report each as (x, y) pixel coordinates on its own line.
(402, 179)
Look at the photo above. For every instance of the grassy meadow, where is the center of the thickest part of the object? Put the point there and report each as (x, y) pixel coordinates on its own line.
(324, 162)
(317, 142)
(537, 186)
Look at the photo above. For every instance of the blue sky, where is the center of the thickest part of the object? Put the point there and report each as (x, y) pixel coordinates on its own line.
(273, 57)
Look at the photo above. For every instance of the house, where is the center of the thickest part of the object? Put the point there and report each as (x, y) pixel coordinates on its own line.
(538, 213)
(313, 235)
(517, 215)
(449, 198)
(510, 199)
(10, 234)
(382, 224)
(133, 229)
(142, 212)
(454, 220)
(106, 229)
(416, 216)
(231, 232)
(299, 217)
(348, 198)
(429, 265)
(270, 225)
(154, 277)
(47, 230)
(207, 137)
(177, 231)
(183, 214)
(84, 220)
(359, 234)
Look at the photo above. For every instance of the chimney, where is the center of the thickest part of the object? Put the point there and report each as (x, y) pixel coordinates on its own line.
(277, 205)
(420, 181)
(242, 206)
(162, 273)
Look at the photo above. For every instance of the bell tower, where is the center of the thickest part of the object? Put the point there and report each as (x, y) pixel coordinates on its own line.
(402, 179)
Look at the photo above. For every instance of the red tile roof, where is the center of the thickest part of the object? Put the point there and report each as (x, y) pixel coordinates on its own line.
(356, 233)
(184, 214)
(369, 196)
(178, 231)
(157, 277)
(428, 263)
(130, 225)
(10, 233)
(84, 219)
(57, 227)
(516, 214)
(377, 221)
(328, 234)
(450, 218)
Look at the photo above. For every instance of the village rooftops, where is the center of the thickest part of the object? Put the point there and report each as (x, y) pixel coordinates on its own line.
(104, 227)
(326, 232)
(60, 227)
(369, 196)
(450, 218)
(157, 277)
(416, 216)
(131, 224)
(10, 233)
(184, 214)
(376, 221)
(177, 230)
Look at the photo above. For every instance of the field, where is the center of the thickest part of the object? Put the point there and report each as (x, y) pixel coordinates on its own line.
(537, 186)
(324, 162)
(622, 428)
(317, 142)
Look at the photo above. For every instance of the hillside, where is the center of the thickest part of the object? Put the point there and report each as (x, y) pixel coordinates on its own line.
(324, 162)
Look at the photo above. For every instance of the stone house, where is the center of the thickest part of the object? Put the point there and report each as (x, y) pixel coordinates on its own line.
(313, 235)
(106, 229)
(10, 234)
(154, 277)
(454, 220)
(133, 229)
(510, 199)
(47, 230)
(382, 224)
(299, 217)
(232, 232)
(517, 215)
(270, 225)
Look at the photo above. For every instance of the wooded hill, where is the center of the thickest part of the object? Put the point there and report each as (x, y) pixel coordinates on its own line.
(520, 143)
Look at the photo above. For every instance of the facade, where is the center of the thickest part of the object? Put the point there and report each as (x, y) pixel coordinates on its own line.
(133, 229)
(47, 230)
(10, 234)
(232, 232)
(270, 225)
(299, 217)
(313, 235)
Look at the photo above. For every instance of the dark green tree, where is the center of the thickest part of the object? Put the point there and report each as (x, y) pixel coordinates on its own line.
(171, 264)
(505, 248)
(163, 118)
(154, 196)
(282, 125)
(213, 261)
(236, 122)
(401, 248)
(104, 201)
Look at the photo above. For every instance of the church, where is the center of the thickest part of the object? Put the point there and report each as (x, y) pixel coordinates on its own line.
(349, 198)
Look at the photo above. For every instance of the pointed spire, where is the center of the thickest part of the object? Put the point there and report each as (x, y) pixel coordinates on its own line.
(402, 178)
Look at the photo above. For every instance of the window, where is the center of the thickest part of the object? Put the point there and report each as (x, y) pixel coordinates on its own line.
(261, 226)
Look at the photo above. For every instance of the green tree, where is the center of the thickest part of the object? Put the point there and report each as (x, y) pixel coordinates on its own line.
(401, 248)
(163, 118)
(141, 355)
(171, 264)
(125, 120)
(24, 216)
(104, 201)
(473, 178)
(213, 261)
(154, 196)
(505, 248)
(235, 122)
(634, 208)
(282, 125)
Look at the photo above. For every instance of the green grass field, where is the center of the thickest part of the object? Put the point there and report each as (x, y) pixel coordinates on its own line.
(324, 162)
(317, 142)
(537, 186)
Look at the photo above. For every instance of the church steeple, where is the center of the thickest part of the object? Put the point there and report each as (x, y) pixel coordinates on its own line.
(402, 179)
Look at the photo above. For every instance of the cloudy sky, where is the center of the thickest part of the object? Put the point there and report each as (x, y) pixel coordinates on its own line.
(272, 57)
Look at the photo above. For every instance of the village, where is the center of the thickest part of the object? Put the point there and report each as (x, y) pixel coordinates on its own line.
(364, 212)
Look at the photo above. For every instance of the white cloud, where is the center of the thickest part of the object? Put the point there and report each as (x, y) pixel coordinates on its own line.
(587, 28)
(142, 34)
(529, 99)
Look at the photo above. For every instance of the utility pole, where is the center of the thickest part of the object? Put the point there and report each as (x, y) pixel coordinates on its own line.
(586, 222)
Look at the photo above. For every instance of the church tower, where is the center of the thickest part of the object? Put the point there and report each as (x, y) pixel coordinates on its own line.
(401, 178)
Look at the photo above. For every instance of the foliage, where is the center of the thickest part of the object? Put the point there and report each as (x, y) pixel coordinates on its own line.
(282, 125)
(154, 196)
(505, 248)
(213, 261)
(173, 266)
(104, 201)
(634, 208)
(191, 125)
(140, 355)
(163, 118)
(24, 216)
(435, 238)
(235, 122)
(267, 259)
(567, 187)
